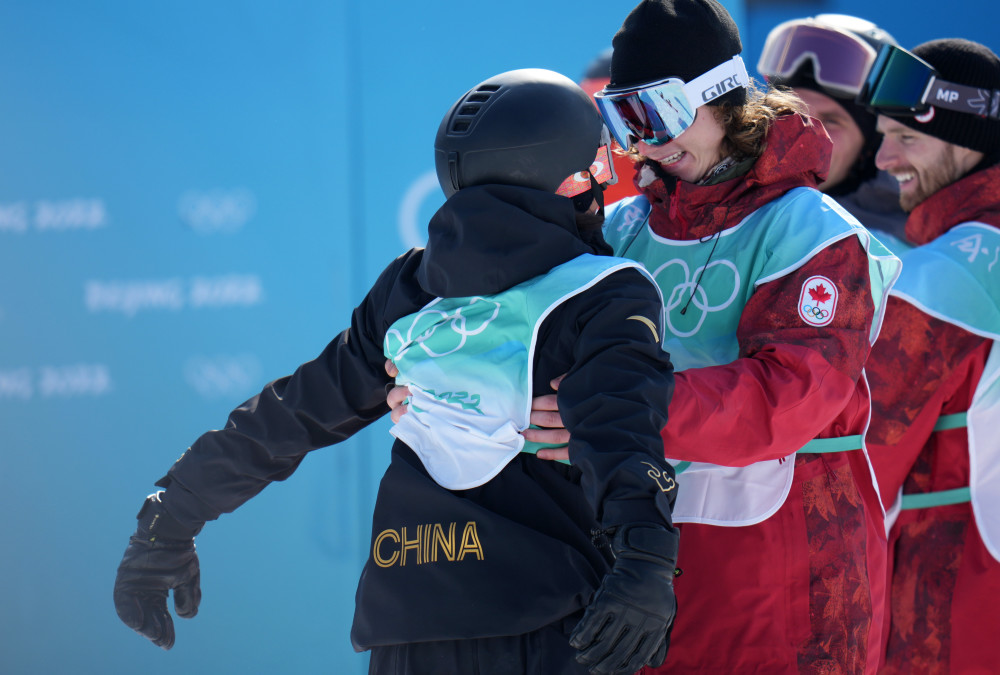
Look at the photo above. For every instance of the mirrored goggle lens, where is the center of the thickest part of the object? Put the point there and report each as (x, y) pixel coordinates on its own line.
(656, 114)
(898, 82)
(602, 170)
(840, 60)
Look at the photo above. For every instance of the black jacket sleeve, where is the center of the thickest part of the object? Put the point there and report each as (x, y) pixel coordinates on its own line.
(614, 398)
(323, 402)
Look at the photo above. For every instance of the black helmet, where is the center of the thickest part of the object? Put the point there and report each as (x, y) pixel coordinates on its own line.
(530, 127)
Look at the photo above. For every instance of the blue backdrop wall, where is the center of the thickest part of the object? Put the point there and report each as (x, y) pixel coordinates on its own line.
(193, 198)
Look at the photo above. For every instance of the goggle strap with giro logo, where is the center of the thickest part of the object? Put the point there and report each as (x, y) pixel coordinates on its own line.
(660, 111)
(718, 81)
(902, 83)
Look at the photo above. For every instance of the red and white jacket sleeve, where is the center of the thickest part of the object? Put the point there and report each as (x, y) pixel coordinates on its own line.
(791, 383)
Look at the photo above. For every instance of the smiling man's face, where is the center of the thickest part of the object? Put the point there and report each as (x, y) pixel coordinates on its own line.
(922, 164)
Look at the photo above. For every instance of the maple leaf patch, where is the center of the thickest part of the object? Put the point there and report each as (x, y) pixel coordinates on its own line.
(819, 294)
(818, 301)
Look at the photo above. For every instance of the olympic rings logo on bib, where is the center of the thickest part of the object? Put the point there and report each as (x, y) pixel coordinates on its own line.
(818, 301)
(688, 291)
(463, 322)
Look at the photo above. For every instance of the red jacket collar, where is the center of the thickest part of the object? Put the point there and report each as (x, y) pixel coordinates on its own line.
(974, 197)
(797, 154)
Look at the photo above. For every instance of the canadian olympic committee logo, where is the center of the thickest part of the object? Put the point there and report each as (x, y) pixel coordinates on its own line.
(818, 301)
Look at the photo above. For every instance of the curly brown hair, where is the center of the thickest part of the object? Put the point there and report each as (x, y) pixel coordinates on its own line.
(746, 125)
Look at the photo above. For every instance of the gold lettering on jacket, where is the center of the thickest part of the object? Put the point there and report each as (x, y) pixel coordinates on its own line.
(665, 481)
(428, 543)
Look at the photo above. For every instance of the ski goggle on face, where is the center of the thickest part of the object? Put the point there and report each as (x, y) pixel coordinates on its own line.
(658, 112)
(840, 60)
(601, 172)
(901, 83)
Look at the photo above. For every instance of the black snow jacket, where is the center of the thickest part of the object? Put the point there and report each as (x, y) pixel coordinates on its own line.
(532, 526)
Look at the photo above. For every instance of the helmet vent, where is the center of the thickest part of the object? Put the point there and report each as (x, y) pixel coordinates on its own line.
(494, 133)
(470, 107)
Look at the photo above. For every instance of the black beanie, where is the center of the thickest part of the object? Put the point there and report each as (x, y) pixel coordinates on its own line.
(675, 38)
(962, 62)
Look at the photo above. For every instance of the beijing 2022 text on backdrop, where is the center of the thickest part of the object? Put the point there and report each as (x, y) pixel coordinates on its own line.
(193, 198)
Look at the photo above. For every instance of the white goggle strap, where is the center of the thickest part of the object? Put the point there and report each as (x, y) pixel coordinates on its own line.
(718, 81)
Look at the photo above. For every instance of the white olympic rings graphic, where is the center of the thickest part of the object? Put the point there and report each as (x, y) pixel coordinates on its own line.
(692, 290)
(457, 321)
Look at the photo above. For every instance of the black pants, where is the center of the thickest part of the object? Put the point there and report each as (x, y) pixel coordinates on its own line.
(543, 652)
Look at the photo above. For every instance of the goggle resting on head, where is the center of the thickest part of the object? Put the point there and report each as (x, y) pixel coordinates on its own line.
(601, 172)
(660, 111)
(840, 60)
(901, 83)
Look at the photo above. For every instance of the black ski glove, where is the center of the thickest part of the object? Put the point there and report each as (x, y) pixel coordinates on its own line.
(627, 624)
(160, 557)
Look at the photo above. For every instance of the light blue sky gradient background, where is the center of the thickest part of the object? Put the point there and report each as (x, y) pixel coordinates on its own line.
(194, 195)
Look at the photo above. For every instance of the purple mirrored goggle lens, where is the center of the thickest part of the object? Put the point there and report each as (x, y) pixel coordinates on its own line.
(840, 60)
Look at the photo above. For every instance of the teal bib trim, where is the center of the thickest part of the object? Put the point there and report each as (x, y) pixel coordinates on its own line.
(837, 444)
(532, 448)
(942, 498)
(965, 255)
(816, 445)
(955, 421)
